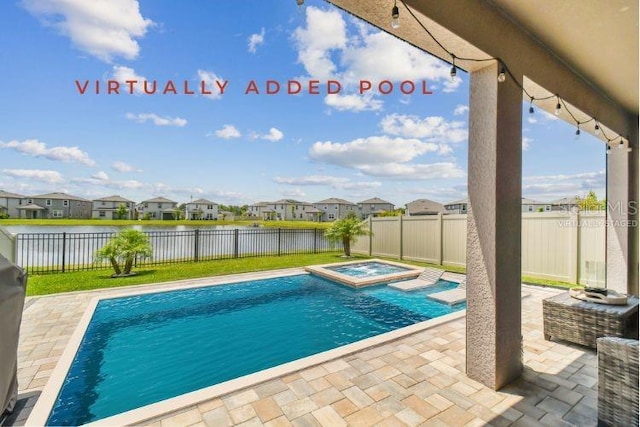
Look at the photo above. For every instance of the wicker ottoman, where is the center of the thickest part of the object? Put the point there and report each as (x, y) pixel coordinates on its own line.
(582, 322)
(617, 382)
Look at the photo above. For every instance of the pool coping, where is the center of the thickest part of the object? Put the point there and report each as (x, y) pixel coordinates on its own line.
(357, 282)
(42, 409)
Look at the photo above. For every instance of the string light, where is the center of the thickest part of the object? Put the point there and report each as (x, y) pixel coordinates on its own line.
(395, 16)
(453, 67)
(558, 107)
(502, 76)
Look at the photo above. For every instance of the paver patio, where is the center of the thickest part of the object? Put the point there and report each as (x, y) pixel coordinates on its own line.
(415, 380)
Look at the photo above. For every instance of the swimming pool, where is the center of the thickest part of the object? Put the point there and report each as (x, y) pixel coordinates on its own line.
(142, 349)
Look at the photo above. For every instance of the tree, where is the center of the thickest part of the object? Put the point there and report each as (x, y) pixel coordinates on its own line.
(178, 213)
(590, 202)
(127, 246)
(122, 211)
(346, 231)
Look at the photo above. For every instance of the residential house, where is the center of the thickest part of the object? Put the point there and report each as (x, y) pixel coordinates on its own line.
(334, 208)
(423, 207)
(9, 204)
(566, 204)
(109, 207)
(374, 206)
(261, 210)
(157, 208)
(530, 205)
(457, 207)
(202, 209)
(293, 210)
(55, 205)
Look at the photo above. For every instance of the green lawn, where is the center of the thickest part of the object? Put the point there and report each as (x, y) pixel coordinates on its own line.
(159, 223)
(99, 279)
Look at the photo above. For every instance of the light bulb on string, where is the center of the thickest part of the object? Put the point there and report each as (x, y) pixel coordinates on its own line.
(395, 16)
(578, 131)
(453, 67)
(596, 129)
(531, 110)
(558, 108)
(502, 75)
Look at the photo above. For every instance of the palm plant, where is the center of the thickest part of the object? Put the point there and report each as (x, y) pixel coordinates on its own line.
(346, 231)
(125, 247)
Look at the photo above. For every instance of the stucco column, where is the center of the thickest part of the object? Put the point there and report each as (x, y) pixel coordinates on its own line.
(622, 216)
(494, 337)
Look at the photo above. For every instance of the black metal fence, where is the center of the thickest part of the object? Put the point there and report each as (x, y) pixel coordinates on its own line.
(65, 252)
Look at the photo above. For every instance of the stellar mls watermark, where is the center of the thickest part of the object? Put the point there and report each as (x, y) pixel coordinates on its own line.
(617, 215)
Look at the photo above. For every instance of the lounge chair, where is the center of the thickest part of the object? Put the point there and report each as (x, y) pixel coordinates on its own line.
(428, 277)
(452, 296)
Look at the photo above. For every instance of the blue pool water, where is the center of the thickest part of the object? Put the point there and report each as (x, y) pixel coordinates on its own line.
(142, 349)
(367, 269)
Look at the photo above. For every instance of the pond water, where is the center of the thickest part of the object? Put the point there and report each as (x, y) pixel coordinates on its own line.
(15, 229)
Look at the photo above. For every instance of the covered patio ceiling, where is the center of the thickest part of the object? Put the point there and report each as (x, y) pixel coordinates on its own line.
(587, 52)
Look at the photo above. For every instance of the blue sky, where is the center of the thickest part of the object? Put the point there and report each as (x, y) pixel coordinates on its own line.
(242, 148)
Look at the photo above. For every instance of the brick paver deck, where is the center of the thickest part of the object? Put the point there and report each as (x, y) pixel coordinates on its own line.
(415, 380)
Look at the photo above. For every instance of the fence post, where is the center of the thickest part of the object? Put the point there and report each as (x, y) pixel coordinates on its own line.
(400, 224)
(196, 244)
(370, 236)
(64, 248)
(236, 233)
(279, 240)
(574, 259)
(315, 240)
(440, 238)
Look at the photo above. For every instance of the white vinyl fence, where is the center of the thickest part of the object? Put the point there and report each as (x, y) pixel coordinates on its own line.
(555, 246)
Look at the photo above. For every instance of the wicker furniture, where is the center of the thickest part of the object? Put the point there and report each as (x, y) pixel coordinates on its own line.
(617, 382)
(582, 322)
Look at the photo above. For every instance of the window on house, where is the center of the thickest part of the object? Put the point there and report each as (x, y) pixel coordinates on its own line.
(159, 205)
(209, 206)
(530, 208)
(146, 205)
(325, 207)
(335, 207)
(102, 203)
(547, 208)
(102, 214)
(57, 214)
(332, 216)
(48, 202)
(29, 201)
(65, 203)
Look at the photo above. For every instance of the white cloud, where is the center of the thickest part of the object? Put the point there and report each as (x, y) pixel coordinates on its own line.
(124, 167)
(102, 28)
(312, 180)
(532, 120)
(48, 176)
(295, 192)
(35, 148)
(273, 135)
(370, 151)
(209, 78)
(461, 109)
(404, 171)
(256, 40)
(123, 74)
(556, 186)
(353, 102)
(102, 176)
(328, 50)
(325, 31)
(433, 128)
(157, 120)
(526, 142)
(326, 180)
(227, 132)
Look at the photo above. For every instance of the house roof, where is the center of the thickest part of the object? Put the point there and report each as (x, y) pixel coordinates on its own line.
(31, 207)
(114, 198)
(259, 204)
(569, 200)
(335, 201)
(158, 200)
(58, 196)
(203, 202)
(376, 200)
(424, 206)
(288, 201)
(312, 210)
(8, 195)
(458, 202)
(526, 201)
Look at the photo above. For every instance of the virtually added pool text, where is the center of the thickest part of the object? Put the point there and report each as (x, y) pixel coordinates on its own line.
(252, 87)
